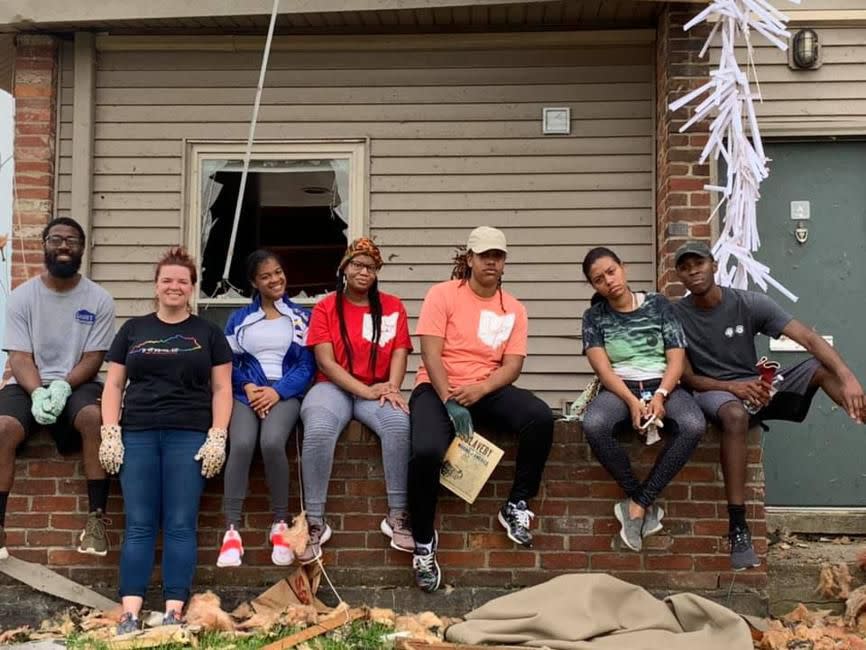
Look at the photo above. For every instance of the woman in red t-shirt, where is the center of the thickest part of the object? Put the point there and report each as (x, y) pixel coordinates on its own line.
(360, 337)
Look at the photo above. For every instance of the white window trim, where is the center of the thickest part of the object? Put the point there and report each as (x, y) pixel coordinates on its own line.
(355, 151)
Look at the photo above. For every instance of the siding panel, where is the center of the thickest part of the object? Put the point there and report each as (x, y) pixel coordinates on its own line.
(829, 100)
(455, 140)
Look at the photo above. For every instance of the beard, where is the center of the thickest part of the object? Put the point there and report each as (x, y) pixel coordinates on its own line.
(64, 270)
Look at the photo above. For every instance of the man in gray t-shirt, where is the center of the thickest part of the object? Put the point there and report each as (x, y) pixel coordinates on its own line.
(720, 325)
(59, 326)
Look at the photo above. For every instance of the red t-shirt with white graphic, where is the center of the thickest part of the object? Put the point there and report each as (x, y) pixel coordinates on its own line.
(325, 328)
(478, 331)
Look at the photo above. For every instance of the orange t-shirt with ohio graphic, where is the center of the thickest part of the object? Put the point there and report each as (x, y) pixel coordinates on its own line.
(478, 332)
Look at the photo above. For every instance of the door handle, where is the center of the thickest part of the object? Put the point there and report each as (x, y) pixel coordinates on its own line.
(801, 233)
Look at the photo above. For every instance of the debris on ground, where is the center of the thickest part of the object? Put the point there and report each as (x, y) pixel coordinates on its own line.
(834, 581)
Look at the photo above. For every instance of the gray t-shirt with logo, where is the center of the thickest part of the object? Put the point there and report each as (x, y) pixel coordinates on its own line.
(722, 340)
(57, 328)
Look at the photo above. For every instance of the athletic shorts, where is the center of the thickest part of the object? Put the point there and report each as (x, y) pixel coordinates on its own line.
(790, 403)
(15, 402)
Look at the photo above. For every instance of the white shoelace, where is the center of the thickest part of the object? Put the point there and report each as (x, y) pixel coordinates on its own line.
(524, 517)
(424, 562)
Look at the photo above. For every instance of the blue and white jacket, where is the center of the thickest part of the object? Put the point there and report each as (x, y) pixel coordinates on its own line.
(299, 364)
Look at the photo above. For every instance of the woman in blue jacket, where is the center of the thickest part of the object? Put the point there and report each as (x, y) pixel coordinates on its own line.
(271, 369)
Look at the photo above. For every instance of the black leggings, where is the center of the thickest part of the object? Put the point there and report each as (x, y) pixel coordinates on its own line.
(684, 425)
(509, 409)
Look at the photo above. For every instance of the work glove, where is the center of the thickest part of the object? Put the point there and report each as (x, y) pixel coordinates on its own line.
(111, 448)
(212, 453)
(40, 406)
(461, 418)
(60, 391)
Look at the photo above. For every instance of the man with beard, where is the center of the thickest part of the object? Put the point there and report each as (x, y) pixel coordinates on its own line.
(720, 326)
(59, 326)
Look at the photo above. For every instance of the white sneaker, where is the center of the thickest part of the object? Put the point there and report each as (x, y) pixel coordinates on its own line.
(232, 549)
(281, 555)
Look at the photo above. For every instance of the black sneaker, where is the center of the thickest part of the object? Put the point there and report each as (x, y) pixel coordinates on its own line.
(743, 554)
(428, 575)
(128, 624)
(515, 519)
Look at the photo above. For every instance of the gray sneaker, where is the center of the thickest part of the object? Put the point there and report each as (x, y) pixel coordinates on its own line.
(172, 617)
(319, 534)
(631, 528)
(128, 624)
(428, 575)
(652, 521)
(743, 554)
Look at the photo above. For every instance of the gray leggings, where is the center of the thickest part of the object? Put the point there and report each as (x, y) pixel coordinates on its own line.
(272, 433)
(325, 412)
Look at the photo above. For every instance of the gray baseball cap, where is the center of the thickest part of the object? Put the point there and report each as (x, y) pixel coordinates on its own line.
(699, 248)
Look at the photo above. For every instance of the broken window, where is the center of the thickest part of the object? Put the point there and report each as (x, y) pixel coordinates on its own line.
(299, 207)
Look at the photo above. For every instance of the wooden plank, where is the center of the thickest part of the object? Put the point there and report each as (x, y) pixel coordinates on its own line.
(136, 218)
(229, 70)
(82, 116)
(149, 201)
(139, 259)
(482, 93)
(521, 237)
(143, 165)
(329, 624)
(343, 130)
(836, 72)
(532, 146)
(134, 236)
(512, 200)
(509, 182)
(501, 165)
(129, 183)
(354, 111)
(429, 218)
(246, 79)
(153, 148)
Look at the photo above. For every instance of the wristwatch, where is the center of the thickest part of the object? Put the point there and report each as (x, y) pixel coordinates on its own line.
(663, 392)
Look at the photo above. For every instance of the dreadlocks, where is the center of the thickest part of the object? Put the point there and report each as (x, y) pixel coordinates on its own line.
(462, 271)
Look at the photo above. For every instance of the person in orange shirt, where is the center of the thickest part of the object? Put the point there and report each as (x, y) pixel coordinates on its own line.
(473, 343)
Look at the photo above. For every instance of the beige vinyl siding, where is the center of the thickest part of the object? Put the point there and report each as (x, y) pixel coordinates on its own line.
(454, 141)
(829, 100)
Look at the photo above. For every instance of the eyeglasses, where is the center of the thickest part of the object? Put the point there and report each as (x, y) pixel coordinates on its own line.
(360, 266)
(55, 241)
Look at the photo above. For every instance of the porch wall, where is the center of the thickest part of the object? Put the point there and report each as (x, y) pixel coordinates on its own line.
(455, 141)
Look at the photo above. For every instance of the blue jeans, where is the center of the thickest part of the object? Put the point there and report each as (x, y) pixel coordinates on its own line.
(162, 486)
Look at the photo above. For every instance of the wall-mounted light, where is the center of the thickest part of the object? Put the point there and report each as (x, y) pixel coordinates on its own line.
(805, 50)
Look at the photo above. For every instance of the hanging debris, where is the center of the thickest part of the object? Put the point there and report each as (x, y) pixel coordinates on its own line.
(728, 101)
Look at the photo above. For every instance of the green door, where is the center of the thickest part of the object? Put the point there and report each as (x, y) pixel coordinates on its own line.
(819, 462)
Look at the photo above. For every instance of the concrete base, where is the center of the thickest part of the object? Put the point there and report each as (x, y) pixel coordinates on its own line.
(794, 574)
(23, 606)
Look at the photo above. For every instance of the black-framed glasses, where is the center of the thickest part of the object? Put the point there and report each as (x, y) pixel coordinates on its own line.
(360, 266)
(55, 241)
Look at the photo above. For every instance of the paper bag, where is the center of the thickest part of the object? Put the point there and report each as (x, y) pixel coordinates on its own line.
(468, 465)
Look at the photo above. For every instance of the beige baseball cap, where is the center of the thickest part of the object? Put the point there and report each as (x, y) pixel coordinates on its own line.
(485, 238)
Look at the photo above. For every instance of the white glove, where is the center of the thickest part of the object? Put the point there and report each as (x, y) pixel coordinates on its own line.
(212, 453)
(111, 448)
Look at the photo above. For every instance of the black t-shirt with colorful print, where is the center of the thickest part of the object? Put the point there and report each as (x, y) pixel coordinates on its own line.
(168, 366)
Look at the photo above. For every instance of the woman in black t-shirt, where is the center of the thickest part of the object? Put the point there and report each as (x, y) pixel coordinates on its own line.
(175, 412)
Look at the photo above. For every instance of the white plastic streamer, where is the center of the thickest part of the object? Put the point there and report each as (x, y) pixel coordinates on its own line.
(727, 98)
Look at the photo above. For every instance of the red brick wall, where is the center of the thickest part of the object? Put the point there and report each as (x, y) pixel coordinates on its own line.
(576, 528)
(35, 91)
(682, 205)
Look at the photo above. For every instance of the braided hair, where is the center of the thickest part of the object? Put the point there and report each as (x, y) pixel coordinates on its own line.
(375, 315)
(462, 271)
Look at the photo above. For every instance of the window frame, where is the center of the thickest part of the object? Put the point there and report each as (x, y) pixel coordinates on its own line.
(355, 151)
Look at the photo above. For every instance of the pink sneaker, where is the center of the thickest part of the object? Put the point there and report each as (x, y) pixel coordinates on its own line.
(232, 549)
(281, 555)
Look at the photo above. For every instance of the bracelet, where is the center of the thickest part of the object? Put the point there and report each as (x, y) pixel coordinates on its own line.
(663, 392)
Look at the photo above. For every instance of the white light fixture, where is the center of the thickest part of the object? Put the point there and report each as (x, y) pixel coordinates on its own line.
(556, 120)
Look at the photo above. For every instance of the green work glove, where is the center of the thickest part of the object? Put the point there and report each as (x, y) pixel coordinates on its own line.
(60, 391)
(40, 406)
(461, 418)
